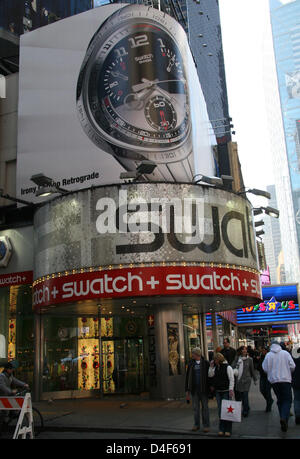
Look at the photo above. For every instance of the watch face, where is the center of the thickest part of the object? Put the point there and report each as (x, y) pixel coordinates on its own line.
(135, 87)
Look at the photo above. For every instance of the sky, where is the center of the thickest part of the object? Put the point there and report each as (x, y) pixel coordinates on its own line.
(243, 26)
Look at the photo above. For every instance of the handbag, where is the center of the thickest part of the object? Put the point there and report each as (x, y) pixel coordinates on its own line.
(231, 410)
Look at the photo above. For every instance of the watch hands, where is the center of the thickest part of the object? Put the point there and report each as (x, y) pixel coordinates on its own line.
(119, 75)
(135, 100)
(164, 122)
(148, 84)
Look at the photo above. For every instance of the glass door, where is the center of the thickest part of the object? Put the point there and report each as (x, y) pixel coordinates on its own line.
(123, 366)
(72, 365)
(70, 355)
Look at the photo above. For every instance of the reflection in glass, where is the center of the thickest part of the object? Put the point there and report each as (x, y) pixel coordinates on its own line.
(72, 360)
(17, 330)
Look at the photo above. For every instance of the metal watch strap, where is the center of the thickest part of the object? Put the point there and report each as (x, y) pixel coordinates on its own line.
(180, 171)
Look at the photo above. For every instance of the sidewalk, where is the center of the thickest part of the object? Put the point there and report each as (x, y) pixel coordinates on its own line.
(159, 417)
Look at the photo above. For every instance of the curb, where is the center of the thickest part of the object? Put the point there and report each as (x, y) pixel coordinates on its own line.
(161, 432)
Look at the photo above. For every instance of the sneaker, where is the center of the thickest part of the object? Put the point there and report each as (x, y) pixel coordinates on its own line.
(195, 428)
(284, 425)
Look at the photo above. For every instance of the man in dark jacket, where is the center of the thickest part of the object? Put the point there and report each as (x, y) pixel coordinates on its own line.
(196, 384)
(296, 383)
(264, 385)
(228, 352)
(8, 383)
(8, 387)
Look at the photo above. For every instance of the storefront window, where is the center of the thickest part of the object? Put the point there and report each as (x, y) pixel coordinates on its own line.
(191, 334)
(209, 340)
(17, 330)
(72, 360)
(4, 317)
(61, 354)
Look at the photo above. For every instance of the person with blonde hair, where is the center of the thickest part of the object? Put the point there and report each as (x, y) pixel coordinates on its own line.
(221, 378)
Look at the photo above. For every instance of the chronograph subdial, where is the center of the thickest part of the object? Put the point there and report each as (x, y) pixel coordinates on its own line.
(160, 114)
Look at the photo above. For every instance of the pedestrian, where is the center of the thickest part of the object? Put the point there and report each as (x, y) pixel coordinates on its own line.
(254, 354)
(279, 365)
(244, 371)
(264, 385)
(221, 379)
(8, 387)
(228, 352)
(196, 385)
(8, 383)
(296, 382)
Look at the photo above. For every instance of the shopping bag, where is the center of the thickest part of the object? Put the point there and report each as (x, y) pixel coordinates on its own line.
(231, 410)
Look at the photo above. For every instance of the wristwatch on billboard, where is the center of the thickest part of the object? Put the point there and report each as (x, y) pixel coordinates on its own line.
(132, 92)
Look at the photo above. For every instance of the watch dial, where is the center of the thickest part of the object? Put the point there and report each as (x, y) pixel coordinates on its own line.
(160, 113)
(137, 89)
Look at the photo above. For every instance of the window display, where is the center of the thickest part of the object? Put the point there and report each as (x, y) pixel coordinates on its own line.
(72, 361)
(17, 330)
(191, 334)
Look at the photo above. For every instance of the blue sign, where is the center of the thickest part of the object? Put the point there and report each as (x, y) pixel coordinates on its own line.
(209, 321)
(280, 305)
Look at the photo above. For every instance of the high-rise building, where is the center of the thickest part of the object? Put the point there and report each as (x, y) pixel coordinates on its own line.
(281, 59)
(272, 239)
(204, 31)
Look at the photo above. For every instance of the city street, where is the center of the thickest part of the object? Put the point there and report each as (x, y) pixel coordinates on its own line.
(144, 419)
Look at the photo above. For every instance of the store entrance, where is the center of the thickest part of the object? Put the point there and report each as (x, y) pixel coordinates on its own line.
(73, 366)
(123, 366)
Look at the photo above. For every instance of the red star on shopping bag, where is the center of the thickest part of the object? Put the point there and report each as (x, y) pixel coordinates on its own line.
(230, 409)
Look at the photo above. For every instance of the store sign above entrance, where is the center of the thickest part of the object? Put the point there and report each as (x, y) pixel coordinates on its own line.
(146, 281)
(147, 239)
(20, 278)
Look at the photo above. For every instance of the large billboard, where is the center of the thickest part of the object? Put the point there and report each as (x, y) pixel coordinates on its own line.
(103, 90)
